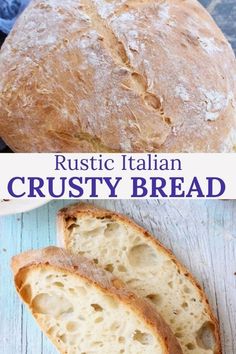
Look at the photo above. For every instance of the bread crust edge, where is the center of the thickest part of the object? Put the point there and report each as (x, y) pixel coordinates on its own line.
(60, 259)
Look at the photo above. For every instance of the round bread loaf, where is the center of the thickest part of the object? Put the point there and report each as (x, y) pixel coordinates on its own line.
(117, 76)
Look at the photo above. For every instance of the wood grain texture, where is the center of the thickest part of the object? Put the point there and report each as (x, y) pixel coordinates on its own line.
(201, 233)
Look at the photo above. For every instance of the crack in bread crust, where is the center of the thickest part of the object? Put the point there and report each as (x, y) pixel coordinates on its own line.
(137, 82)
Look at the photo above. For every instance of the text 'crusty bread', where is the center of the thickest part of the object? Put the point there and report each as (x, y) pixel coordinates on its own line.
(84, 309)
(132, 254)
(117, 76)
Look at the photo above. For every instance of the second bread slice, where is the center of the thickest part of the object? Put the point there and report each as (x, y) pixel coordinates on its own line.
(132, 254)
(84, 310)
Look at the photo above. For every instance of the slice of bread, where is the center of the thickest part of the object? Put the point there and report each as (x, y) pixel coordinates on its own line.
(84, 309)
(132, 254)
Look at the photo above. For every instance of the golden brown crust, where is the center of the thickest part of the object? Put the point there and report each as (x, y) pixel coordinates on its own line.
(58, 258)
(67, 216)
(118, 76)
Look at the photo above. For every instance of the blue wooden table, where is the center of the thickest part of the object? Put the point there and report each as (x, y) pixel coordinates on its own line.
(19, 333)
(201, 233)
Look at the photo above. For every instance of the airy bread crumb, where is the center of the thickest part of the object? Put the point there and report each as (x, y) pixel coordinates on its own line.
(83, 309)
(132, 254)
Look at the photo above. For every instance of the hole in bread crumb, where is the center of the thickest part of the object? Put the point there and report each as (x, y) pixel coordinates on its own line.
(51, 331)
(122, 269)
(114, 229)
(26, 293)
(72, 291)
(97, 307)
(178, 335)
(142, 256)
(99, 320)
(72, 326)
(186, 289)
(114, 326)
(170, 284)
(95, 260)
(92, 232)
(154, 298)
(205, 336)
(81, 253)
(184, 305)
(190, 346)
(63, 338)
(58, 284)
(143, 338)
(179, 328)
(49, 276)
(109, 268)
(176, 312)
(109, 228)
(51, 305)
(97, 344)
(121, 339)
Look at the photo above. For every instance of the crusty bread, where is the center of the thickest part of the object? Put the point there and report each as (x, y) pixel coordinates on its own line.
(117, 75)
(84, 309)
(132, 254)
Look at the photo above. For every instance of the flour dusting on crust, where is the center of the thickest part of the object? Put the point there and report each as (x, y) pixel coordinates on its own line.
(117, 76)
